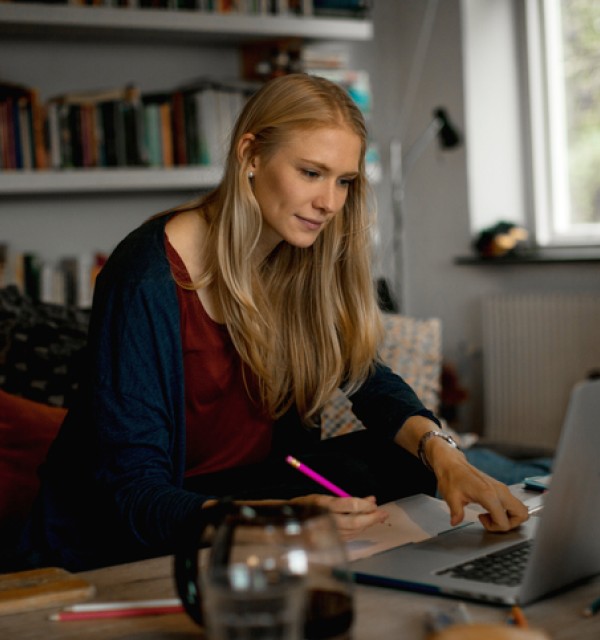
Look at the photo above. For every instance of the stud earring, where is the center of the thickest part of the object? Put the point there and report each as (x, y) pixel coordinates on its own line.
(250, 175)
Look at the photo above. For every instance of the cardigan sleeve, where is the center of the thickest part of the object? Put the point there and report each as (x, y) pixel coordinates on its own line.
(137, 400)
(385, 401)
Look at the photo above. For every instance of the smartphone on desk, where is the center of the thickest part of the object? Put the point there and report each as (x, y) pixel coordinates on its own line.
(537, 483)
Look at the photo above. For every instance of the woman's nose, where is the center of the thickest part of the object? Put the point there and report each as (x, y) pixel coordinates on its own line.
(327, 199)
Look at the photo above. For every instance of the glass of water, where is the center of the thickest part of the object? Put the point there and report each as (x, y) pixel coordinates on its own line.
(247, 601)
(273, 572)
(254, 581)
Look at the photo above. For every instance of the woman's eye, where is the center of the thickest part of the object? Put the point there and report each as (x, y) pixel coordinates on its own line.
(309, 173)
(346, 182)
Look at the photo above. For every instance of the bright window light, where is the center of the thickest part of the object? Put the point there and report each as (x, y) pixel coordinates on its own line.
(563, 47)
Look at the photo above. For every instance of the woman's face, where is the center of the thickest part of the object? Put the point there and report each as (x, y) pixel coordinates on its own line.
(304, 184)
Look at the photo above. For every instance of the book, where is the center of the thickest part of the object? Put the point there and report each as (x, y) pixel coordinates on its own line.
(40, 588)
(342, 8)
(31, 275)
(152, 134)
(101, 128)
(3, 264)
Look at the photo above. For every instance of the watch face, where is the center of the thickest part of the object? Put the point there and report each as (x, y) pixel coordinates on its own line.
(423, 441)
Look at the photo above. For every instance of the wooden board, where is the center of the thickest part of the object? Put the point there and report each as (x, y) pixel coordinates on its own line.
(39, 588)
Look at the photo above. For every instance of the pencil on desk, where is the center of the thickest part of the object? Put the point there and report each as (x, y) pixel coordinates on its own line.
(128, 604)
(318, 478)
(518, 617)
(98, 610)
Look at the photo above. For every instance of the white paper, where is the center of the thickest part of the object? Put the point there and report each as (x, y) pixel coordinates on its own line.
(411, 519)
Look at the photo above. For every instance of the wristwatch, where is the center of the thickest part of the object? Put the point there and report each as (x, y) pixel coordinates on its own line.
(425, 439)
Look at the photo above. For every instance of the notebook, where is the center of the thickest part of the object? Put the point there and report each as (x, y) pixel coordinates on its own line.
(557, 548)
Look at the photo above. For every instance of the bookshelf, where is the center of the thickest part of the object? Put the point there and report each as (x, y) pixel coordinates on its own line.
(170, 25)
(133, 179)
(107, 26)
(72, 215)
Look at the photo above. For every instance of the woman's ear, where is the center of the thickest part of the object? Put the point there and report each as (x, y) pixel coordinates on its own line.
(245, 150)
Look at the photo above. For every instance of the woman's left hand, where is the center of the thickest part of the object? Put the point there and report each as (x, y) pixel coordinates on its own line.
(460, 483)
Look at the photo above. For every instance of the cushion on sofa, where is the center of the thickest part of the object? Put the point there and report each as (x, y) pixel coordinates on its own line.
(27, 429)
(41, 346)
(412, 348)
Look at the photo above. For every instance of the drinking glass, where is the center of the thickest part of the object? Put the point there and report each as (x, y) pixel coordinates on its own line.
(272, 572)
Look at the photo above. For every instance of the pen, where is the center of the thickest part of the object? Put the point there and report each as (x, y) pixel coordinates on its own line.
(592, 609)
(128, 604)
(318, 478)
(518, 617)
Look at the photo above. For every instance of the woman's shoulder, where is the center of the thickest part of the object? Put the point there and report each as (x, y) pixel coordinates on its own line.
(142, 250)
(186, 232)
(137, 263)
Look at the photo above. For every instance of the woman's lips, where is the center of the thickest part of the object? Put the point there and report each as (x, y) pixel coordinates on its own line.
(313, 225)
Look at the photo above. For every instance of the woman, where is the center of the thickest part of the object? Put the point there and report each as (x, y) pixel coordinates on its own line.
(219, 330)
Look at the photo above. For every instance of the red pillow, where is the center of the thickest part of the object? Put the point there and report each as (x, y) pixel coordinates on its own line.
(26, 430)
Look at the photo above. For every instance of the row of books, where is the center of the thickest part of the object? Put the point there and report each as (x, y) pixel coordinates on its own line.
(68, 281)
(123, 127)
(354, 8)
(117, 128)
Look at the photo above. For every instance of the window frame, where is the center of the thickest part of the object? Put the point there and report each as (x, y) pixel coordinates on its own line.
(547, 113)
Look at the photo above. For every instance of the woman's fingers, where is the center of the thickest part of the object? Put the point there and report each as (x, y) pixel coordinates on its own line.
(504, 511)
(352, 515)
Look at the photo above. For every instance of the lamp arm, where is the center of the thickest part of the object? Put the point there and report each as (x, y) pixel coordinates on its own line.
(410, 158)
(400, 167)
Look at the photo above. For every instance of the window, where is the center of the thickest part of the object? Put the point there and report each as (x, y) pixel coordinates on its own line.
(563, 50)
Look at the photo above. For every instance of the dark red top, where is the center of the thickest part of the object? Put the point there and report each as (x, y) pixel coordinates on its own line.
(224, 427)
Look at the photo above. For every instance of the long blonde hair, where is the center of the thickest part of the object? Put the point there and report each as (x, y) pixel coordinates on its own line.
(305, 321)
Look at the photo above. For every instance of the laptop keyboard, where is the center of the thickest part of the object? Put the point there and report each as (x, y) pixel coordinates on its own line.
(504, 567)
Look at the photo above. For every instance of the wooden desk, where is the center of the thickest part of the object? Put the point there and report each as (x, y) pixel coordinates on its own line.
(381, 614)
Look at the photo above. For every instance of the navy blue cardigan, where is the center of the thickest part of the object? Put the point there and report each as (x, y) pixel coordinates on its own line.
(111, 487)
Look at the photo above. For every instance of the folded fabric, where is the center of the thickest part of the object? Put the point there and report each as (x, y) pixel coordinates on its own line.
(26, 430)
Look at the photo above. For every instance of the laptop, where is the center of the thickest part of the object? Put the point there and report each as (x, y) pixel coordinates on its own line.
(555, 549)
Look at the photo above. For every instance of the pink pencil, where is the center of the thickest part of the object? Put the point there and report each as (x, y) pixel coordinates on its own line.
(67, 616)
(313, 475)
(98, 610)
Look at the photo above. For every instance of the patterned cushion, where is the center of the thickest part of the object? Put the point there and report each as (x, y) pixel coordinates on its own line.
(411, 348)
(40, 348)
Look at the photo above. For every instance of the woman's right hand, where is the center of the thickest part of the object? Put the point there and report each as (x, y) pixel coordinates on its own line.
(352, 515)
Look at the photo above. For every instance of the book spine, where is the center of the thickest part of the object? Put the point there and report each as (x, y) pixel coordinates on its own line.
(178, 116)
(166, 135)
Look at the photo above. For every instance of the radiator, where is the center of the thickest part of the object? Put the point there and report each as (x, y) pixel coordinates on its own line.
(535, 348)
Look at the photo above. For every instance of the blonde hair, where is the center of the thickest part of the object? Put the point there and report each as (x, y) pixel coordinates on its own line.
(305, 321)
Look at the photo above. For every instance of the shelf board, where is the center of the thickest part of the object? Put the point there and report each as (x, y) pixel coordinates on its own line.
(28, 183)
(557, 255)
(81, 21)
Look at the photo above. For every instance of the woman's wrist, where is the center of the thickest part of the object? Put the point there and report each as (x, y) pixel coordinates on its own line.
(439, 453)
(414, 436)
(427, 445)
